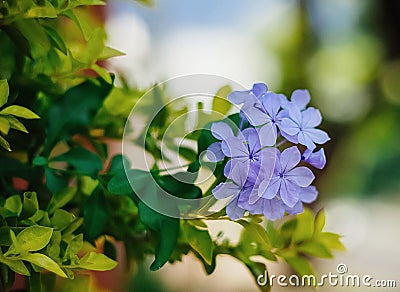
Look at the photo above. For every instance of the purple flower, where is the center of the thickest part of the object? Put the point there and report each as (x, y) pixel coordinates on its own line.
(265, 111)
(299, 127)
(307, 195)
(247, 149)
(221, 131)
(287, 179)
(316, 159)
(300, 98)
(238, 97)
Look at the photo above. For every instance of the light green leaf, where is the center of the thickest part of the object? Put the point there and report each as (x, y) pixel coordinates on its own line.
(61, 198)
(301, 265)
(331, 240)
(199, 240)
(14, 204)
(4, 125)
(4, 144)
(17, 266)
(4, 92)
(305, 226)
(53, 248)
(15, 124)
(61, 219)
(34, 238)
(43, 261)
(110, 53)
(319, 222)
(30, 205)
(56, 39)
(316, 249)
(220, 102)
(103, 73)
(97, 262)
(19, 111)
(73, 248)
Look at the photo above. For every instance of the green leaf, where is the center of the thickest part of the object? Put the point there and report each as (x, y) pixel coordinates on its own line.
(4, 92)
(167, 229)
(16, 124)
(74, 111)
(56, 39)
(254, 240)
(305, 226)
(14, 204)
(109, 52)
(301, 265)
(34, 238)
(316, 249)
(199, 240)
(83, 161)
(103, 73)
(117, 164)
(39, 161)
(120, 185)
(62, 219)
(97, 262)
(74, 246)
(61, 198)
(220, 102)
(43, 261)
(95, 214)
(19, 111)
(4, 125)
(53, 248)
(4, 144)
(16, 265)
(331, 240)
(30, 205)
(319, 222)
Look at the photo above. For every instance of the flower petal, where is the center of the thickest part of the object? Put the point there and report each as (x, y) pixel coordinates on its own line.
(306, 140)
(311, 118)
(288, 126)
(308, 194)
(268, 189)
(221, 130)
(273, 209)
(267, 135)
(300, 97)
(233, 210)
(297, 209)
(301, 176)
(255, 114)
(214, 152)
(290, 157)
(224, 190)
(272, 103)
(289, 193)
(317, 159)
(238, 97)
(317, 135)
(234, 147)
(259, 89)
(253, 139)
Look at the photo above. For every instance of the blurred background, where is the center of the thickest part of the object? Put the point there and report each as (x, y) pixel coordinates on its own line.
(346, 52)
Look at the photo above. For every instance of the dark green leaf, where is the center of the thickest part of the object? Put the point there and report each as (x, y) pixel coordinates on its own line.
(61, 198)
(167, 229)
(200, 240)
(83, 161)
(74, 111)
(95, 213)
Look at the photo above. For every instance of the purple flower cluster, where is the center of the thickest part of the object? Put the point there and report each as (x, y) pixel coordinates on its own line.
(262, 177)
